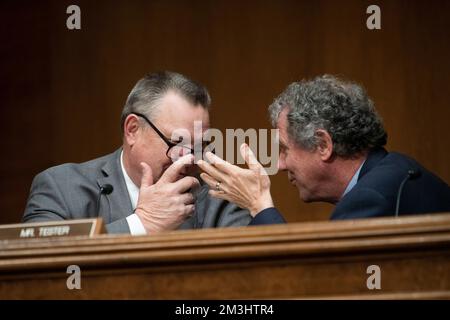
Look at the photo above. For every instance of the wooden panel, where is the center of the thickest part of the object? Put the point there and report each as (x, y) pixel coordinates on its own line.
(304, 260)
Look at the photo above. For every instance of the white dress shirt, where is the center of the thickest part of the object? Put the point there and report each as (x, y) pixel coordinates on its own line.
(134, 223)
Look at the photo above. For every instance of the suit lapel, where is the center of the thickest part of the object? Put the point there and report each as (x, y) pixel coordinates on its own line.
(118, 203)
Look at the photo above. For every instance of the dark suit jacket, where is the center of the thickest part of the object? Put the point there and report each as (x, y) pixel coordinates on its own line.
(70, 191)
(375, 193)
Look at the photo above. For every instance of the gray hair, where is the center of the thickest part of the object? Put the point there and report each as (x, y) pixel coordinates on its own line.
(148, 91)
(341, 108)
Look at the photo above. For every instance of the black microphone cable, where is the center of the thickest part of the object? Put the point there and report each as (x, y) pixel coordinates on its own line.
(412, 174)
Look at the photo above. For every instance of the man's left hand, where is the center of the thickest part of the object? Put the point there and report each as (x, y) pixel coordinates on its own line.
(248, 188)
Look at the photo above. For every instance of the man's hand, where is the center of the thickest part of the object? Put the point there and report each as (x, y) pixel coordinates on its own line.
(248, 188)
(166, 204)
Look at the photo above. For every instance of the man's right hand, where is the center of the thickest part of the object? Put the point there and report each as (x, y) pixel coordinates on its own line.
(166, 204)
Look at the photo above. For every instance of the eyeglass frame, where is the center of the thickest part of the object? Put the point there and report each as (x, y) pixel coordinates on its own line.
(170, 144)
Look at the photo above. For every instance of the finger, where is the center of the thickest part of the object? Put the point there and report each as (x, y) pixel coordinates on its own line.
(218, 162)
(212, 171)
(186, 183)
(189, 210)
(147, 176)
(187, 198)
(250, 158)
(177, 153)
(173, 172)
(222, 166)
(210, 181)
(219, 195)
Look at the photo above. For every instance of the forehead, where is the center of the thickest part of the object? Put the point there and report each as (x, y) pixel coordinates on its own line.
(176, 112)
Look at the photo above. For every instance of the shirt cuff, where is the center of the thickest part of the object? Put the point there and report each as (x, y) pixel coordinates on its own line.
(135, 225)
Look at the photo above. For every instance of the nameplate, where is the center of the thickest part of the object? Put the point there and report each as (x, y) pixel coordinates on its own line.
(66, 228)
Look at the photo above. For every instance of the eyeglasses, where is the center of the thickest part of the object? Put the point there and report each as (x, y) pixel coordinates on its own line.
(174, 148)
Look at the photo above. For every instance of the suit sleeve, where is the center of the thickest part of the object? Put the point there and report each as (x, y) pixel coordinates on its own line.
(232, 216)
(45, 202)
(363, 203)
(267, 216)
(118, 226)
(216, 213)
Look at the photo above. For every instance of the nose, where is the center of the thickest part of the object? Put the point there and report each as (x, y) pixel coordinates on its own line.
(281, 163)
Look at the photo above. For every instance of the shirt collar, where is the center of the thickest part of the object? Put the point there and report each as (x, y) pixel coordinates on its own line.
(133, 190)
(354, 180)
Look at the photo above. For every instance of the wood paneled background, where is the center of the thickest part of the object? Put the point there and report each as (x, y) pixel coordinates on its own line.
(61, 91)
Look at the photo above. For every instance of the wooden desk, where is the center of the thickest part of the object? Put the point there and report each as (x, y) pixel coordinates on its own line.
(304, 260)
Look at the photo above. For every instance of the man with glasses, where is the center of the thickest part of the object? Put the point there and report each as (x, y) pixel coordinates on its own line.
(151, 183)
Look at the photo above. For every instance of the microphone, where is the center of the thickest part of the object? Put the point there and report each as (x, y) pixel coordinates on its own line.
(105, 189)
(412, 174)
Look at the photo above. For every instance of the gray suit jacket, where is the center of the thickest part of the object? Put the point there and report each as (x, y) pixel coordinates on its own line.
(70, 191)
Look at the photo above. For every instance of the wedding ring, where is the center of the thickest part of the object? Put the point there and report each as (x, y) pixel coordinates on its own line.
(218, 186)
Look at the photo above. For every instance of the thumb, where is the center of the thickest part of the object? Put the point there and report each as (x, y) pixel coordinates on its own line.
(250, 158)
(147, 176)
(173, 172)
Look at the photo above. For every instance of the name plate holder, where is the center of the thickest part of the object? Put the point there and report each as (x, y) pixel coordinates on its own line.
(66, 228)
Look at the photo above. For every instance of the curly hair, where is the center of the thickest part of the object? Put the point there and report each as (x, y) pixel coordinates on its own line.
(341, 108)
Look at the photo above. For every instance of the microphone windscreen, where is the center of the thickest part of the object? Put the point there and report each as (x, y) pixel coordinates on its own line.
(414, 173)
(106, 188)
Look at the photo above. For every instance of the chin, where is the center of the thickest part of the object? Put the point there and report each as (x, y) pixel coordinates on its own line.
(305, 196)
(306, 200)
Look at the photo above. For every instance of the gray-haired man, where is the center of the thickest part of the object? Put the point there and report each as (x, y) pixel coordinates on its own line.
(332, 147)
(145, 186)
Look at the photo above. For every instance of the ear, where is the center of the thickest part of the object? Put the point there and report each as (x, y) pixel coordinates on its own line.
(325, 146)
(131, 128)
